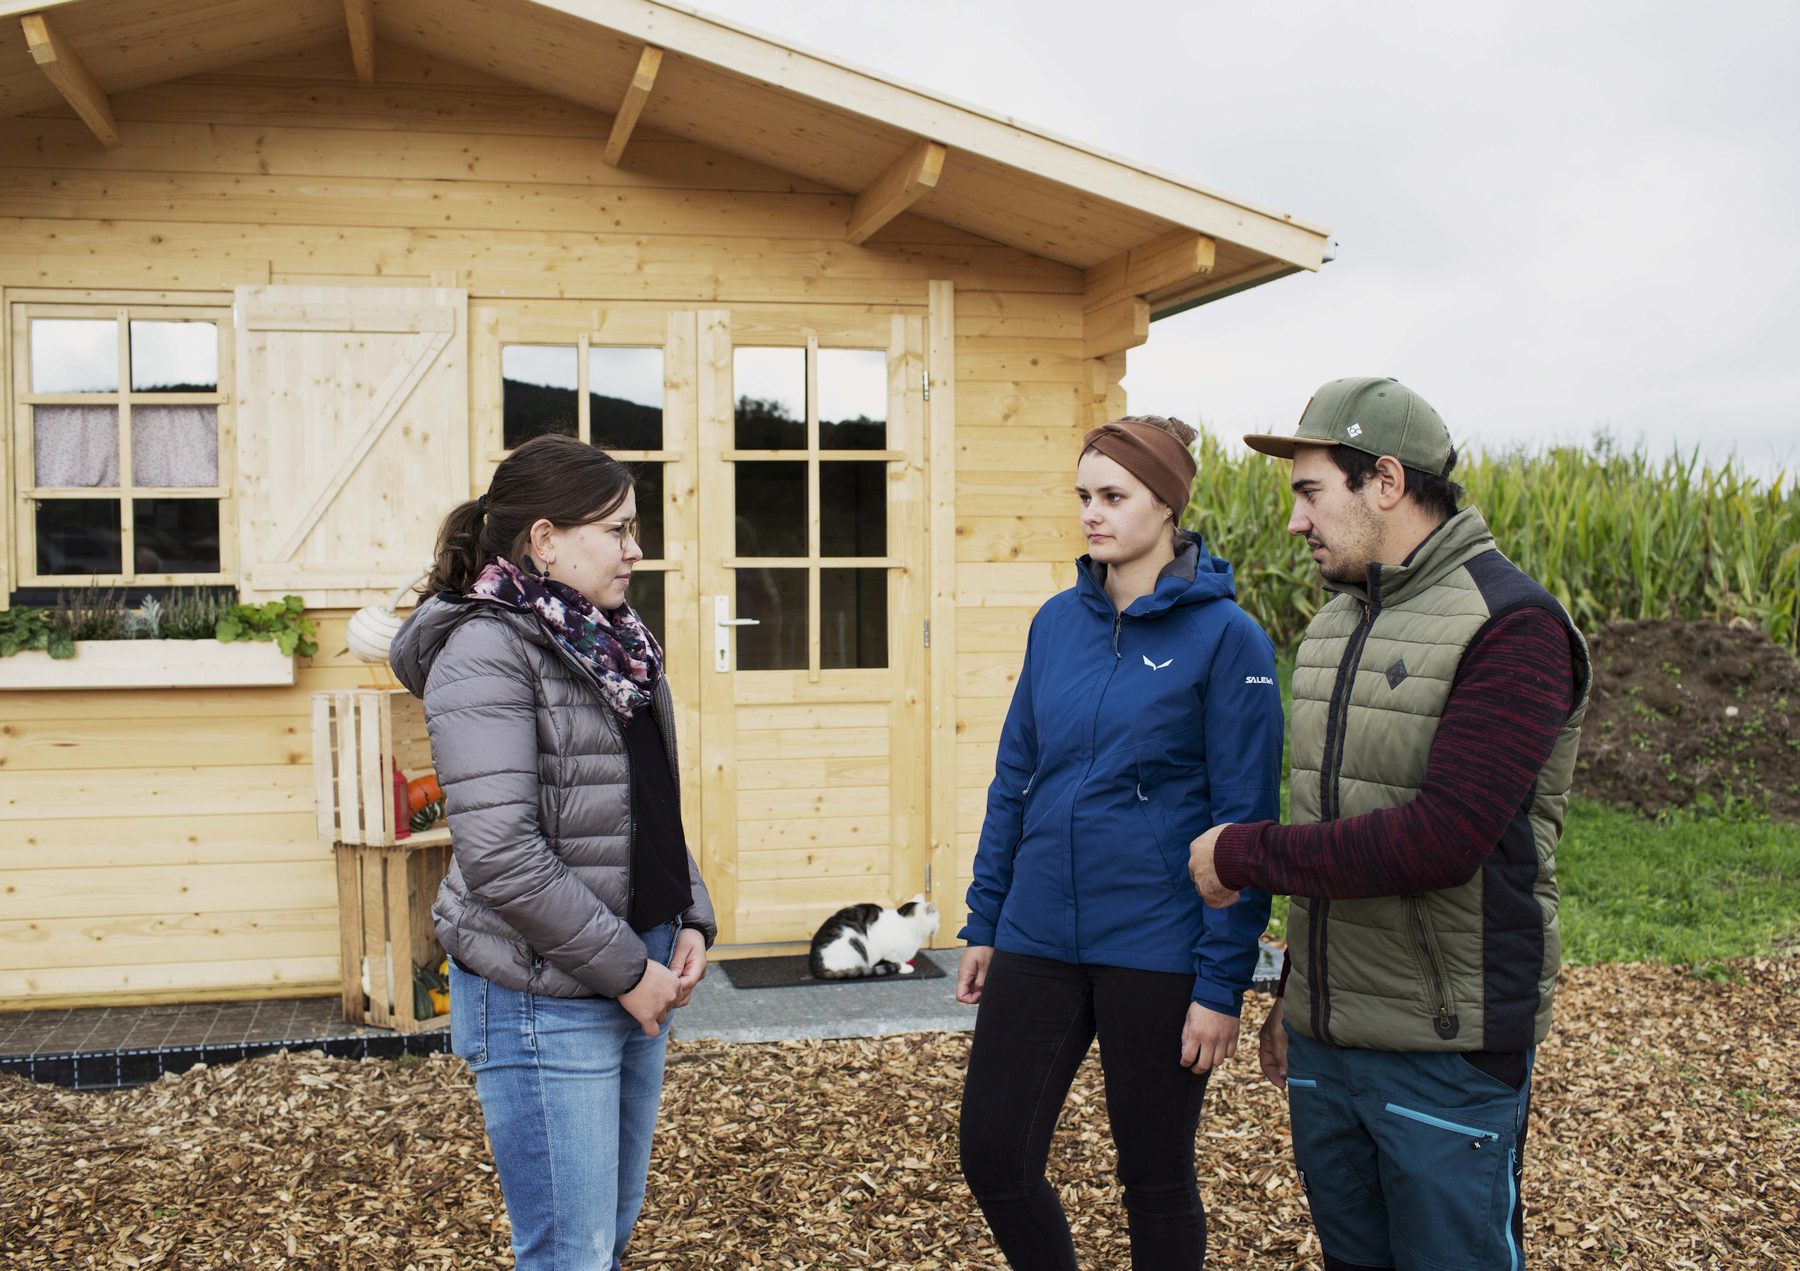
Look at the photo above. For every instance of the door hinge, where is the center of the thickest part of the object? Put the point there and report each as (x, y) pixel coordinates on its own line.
(928, 881)
(928, 633)
(925, 383)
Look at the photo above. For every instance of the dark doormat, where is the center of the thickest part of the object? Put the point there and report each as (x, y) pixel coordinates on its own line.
(790, 972)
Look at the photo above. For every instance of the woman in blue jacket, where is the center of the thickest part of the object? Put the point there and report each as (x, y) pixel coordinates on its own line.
(1146, 712)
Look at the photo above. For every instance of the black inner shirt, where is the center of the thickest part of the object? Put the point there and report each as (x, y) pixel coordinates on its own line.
(659, 865)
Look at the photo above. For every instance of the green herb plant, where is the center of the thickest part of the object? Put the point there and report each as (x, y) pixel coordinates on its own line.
(284, 621)
(23, 627)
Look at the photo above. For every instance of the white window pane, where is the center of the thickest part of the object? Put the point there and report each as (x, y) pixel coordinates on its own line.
(174, 357)
(175, 445)
(545, 365)
(75, 446)
(74, 355)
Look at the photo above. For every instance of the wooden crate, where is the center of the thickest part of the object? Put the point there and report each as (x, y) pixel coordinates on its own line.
(359, 736)
(384, 926)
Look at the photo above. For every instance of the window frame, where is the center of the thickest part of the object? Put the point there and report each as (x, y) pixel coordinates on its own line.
(25, 494)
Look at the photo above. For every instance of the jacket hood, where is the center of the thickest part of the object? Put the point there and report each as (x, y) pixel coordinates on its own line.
(1193, 577)
(427, 629)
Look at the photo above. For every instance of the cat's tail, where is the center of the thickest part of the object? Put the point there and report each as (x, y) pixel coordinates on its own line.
(816, 965)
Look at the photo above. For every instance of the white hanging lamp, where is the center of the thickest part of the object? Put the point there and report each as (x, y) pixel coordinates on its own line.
(372, 628)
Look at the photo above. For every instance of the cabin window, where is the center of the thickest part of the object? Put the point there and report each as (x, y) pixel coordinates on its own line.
(611, 396)
(123, 414)
(811, 477)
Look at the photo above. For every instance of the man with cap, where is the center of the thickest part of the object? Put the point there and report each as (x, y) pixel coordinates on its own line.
(1438, 698)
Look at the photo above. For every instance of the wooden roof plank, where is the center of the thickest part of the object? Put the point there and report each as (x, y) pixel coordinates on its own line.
(359, 19)
(65, 70)
(907, 180)
(637, 94)
(695, 35)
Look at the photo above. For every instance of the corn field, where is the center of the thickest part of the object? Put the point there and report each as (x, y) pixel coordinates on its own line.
(1612, 533)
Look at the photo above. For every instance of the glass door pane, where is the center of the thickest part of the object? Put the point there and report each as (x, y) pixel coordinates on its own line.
(540, 391)
(769, 388)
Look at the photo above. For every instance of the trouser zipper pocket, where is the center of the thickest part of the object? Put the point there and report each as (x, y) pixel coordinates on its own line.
(1479, 1138)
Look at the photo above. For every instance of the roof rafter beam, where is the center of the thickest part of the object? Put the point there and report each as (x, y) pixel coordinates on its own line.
(359, 17)
(907, 180)
(1113, 328)
(1161, 267)
(1118, 294)
(643, 79)
(65, 70)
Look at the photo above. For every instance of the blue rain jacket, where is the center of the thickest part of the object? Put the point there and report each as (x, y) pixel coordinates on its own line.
(1129, 736)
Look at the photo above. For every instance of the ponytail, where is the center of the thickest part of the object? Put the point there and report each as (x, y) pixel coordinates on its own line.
(459, 557)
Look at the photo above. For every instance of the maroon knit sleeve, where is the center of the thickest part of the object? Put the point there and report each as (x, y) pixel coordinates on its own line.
(1513, 693)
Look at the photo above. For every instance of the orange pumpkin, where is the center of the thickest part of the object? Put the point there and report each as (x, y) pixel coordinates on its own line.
(423, 790)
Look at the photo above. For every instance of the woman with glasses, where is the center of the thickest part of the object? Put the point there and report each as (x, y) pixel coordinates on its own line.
(573, 913)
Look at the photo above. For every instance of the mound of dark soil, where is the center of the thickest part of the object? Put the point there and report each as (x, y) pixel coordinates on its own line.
(1692, 714)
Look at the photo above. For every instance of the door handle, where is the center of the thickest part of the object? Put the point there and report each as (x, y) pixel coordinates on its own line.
(723, 622)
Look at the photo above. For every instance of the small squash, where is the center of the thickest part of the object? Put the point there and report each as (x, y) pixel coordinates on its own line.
(423, 790)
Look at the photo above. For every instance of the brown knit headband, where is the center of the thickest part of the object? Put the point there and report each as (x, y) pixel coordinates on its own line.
(1151, 455)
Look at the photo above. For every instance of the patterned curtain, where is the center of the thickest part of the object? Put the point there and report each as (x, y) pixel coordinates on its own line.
(76, 446)
(175, 445)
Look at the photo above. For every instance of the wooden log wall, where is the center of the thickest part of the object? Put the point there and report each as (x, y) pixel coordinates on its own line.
(160, 845)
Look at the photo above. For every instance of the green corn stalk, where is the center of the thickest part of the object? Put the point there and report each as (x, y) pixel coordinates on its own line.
(1611, 532)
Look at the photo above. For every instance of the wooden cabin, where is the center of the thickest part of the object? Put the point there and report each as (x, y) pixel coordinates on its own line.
(284, 279)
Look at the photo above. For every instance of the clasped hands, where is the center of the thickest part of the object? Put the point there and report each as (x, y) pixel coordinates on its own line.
(1200, 869)
(665, 989)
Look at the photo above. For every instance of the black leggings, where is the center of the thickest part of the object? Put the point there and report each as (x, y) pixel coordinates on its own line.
(1036, 1021)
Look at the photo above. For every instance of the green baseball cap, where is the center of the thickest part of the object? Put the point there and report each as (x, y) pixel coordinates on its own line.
(1376, 416)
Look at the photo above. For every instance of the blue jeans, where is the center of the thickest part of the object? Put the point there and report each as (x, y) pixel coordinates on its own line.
(569, 1089)
(1408, 1159)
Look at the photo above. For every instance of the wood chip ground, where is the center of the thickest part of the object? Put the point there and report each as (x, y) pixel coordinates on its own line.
(1665, 1134)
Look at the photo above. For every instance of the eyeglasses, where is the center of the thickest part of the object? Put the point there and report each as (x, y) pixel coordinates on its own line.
(625, 529)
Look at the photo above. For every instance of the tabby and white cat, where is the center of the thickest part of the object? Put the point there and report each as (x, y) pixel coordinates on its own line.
(872, 940)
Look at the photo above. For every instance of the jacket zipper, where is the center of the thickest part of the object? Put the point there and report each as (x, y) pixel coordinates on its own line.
(1330, 804)
(1093, 728)
(1443, 1004)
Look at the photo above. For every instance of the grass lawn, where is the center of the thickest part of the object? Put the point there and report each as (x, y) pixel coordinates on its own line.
(1689, 889)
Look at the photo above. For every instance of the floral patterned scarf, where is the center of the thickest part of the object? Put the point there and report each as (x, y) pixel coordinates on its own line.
(616, 648)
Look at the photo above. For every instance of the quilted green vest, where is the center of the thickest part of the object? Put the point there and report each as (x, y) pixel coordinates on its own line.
(1470, 967)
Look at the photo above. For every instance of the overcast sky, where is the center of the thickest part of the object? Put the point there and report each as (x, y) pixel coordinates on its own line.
(1553, 218)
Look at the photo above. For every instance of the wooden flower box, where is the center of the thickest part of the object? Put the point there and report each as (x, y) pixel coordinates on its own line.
(385, 929)
(359, 737)
(125, 664)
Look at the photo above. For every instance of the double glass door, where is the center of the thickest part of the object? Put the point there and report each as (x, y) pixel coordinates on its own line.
(782, 490)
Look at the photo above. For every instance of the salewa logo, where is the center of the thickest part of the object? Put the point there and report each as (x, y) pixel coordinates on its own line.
(1258, 679)
(1155, 666)
(1355, 430)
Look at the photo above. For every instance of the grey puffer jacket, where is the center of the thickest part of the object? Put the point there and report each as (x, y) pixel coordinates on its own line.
(538, 789)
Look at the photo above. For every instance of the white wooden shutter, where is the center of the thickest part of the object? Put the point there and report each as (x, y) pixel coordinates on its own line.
(352, 436)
